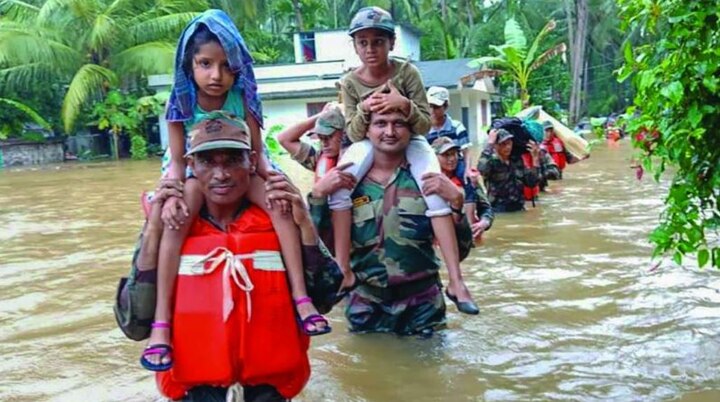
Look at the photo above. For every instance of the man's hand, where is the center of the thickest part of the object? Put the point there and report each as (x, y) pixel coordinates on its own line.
(438, 183)
(534, 149)
(492, 136)
(279, 189)
(385, 102)
(169, 195)
(473, 176)
(334, 180)
(478, 228)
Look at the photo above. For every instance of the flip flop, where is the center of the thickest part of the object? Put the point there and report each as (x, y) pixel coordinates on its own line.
(161, 349)
(312, 319)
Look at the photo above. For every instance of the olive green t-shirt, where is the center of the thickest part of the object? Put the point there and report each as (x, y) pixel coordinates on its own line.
(406, 79)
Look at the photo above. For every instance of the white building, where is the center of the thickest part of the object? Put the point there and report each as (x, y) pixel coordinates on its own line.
(290, 92)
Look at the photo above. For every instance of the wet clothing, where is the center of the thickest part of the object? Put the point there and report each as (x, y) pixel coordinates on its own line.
(183, 96)
(394, 260)
(257, 393)
(135, 299)
(406, 78)
(225, 334)
(559, 154)
(548, 170)
(483, 209)
(322, 220)
(478, 197)
(505, 181)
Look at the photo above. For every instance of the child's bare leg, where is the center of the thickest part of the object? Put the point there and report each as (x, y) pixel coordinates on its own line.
(444, 229)
(289, 237)
(167, 273)
(341, 222)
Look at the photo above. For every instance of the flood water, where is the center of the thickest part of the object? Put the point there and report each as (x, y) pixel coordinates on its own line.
(570, 309)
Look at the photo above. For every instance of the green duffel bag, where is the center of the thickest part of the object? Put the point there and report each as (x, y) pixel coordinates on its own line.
(135, 300)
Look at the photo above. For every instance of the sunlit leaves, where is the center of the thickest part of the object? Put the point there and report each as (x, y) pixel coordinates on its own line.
(513, 57)
(88, 84)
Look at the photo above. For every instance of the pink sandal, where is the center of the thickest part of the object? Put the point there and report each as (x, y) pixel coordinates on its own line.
(312, 319)
(161, 349)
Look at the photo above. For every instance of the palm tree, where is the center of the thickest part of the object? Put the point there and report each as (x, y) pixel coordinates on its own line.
(88, 45)
(30, 112)
(515, 58)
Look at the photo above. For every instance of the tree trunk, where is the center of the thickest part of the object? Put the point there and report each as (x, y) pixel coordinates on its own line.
(577, 34)
(299, 25)
(582, 103)
(116, 150)
(468, 9)
(443, 11)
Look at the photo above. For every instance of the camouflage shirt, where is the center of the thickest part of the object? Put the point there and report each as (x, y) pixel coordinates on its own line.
(392, 239)
(505, 181)
(482, 205)
(393, 257)
(307, 156)
(548, 169)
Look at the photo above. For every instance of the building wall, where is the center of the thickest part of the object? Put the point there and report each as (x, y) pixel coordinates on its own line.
(407, 44)
(283, 112)
(288, 111)
(337, 45)
(22, 154)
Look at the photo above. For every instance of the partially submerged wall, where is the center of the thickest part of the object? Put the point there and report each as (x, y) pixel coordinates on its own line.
(19, 153)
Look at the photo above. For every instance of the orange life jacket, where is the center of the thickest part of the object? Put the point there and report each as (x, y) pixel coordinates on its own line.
(457, 182)
(530, 193)
(556, 149)
(324, 163)
(234, 319)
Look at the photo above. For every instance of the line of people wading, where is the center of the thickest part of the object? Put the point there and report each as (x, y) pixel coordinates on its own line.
(235, 266)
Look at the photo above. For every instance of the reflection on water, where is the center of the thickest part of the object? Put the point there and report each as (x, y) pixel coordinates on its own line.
(570, 307)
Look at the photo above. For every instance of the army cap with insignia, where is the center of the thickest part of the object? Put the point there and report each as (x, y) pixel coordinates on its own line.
(218, 130)
(372, 18)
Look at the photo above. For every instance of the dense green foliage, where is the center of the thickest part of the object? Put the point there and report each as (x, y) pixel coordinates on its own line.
(124, 113)
(516, 59)
(675, 69)
(87, 45)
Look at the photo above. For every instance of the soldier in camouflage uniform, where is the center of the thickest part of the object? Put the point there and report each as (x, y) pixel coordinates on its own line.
(476, 204)
(327, 125)
(505, 178)
(392, 242)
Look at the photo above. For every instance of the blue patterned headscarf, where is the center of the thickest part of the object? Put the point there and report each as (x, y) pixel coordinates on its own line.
(183, 95)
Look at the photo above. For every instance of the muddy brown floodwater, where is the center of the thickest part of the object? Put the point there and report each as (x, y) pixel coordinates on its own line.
(570, 308)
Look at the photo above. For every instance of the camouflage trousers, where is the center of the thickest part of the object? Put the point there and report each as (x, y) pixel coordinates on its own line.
(406, 309)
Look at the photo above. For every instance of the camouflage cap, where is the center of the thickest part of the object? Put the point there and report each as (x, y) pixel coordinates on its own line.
(329, 121)
(218, 130)
(443, 144)
(372, 18)
(503, 135)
